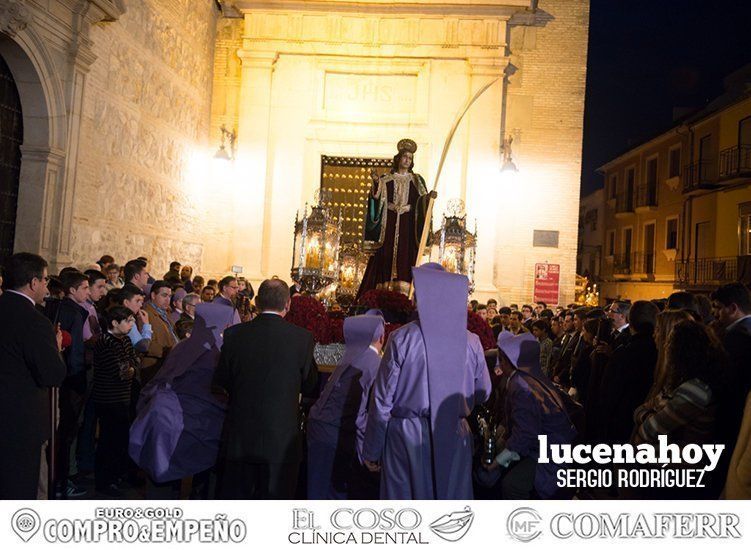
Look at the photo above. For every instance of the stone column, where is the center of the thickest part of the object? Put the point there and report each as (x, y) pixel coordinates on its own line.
(42, 170)
(252, 179)
(483, 168)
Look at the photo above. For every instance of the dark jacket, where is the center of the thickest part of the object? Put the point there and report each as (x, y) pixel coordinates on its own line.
(563, 366)
(264, 365)
(626, 381)
(71, 317)
(734, 388)
(29, 364)
(621, 338)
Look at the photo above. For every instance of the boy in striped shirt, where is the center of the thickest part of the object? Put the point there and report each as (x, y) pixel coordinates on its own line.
(115, 365)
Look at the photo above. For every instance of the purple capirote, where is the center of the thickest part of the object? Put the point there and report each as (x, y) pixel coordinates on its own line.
(432, 374)
(336, 423)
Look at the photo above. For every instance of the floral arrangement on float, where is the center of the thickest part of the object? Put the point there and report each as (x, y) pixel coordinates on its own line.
(328, 328)
(396, 307)
(476, 325)
(310, 314)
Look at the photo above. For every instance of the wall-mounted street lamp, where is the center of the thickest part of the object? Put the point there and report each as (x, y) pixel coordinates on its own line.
(230, 136)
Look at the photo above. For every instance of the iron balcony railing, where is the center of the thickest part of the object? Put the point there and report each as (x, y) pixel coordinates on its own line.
(623, 264)
(699, 175)
(703, 272)
(629, 264)
(735, 161)
(624, 202)
(647, 195)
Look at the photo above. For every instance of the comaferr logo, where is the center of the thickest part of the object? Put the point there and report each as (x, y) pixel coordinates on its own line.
(588, 525)
(452, 527)
(523, 524)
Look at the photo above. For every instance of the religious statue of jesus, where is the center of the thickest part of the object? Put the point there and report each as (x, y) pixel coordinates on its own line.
(395, 218)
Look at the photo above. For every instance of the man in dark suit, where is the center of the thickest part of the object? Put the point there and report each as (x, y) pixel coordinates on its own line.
(618, 313)
(574, 320)
(264, 366)
(731, 305)
(627, 377)
(30, 363)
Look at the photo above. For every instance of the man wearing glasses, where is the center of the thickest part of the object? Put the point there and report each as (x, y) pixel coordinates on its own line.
(228, 289)
(618, 315)
(30, 364)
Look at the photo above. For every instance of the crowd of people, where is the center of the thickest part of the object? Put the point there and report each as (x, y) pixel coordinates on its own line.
(114, 327)
(182, 378)
(677, 367)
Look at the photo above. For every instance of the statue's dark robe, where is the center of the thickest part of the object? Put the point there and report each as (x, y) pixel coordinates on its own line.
(389, 266)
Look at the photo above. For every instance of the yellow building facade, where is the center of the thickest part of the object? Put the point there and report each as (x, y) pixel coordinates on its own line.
(302, 82)
(678, 207)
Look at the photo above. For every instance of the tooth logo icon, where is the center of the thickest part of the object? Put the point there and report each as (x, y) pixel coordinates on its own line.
(452, 527)
(25, 523)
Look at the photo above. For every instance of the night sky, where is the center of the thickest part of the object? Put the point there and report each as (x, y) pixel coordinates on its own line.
(648, 56)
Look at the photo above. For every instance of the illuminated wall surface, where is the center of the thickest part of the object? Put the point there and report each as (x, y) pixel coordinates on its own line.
(324, 80)
(137, 116)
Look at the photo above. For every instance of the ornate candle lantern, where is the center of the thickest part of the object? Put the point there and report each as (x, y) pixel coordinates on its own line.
(315, 253)
(352, 263)
(457, 246)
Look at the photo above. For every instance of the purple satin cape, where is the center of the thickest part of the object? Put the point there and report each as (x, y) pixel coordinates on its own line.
(179, 421)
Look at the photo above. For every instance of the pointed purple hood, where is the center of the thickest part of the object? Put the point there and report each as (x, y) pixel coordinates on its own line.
(442, 306)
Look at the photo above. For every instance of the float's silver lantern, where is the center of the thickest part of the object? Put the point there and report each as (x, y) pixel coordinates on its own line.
(352, 263)
(315, 253)
(457, 246)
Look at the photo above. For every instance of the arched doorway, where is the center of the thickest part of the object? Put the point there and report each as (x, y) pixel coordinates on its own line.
(11, 138)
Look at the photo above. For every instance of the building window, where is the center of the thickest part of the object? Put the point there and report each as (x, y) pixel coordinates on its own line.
(613, 187)
(674, 163)
(744, 226)
(611, 243)
(590, 218)
(671, 234)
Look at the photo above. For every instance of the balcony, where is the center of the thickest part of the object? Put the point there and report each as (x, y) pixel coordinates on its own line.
(646, 198)
(624, 204)
(699, 176)
(735, 163)
(623, 264)
(643, 263)
(706, 272)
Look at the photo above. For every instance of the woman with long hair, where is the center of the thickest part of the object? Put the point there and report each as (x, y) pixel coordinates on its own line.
(666, 320)
(685, 408)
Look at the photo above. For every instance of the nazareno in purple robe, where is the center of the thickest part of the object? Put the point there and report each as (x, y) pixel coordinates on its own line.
(179, 421)
(532, 409)
(336, 423)
(432, 374)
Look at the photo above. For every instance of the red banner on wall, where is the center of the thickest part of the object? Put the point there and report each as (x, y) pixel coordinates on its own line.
(547, 287)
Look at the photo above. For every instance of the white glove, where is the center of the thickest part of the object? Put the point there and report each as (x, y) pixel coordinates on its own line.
(506, 457)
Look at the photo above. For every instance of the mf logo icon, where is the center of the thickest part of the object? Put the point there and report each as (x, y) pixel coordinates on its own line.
(523, 524)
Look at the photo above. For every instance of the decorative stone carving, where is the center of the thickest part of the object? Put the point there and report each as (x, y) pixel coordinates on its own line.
(14, 17)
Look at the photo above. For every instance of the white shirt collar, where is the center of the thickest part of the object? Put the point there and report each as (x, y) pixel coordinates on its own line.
(624, 327)
(29, 298)
(729, 327)
(277, 313)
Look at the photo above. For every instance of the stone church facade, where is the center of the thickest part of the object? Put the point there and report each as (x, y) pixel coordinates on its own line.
(123, 101)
